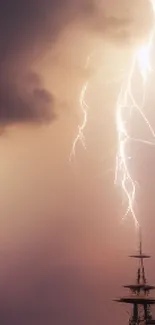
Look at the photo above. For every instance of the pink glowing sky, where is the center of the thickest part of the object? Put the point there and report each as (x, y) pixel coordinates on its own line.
(63, 246)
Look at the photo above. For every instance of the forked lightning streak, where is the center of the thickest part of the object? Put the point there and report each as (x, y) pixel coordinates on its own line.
(126, 105)
(84, 108)
(80, 136)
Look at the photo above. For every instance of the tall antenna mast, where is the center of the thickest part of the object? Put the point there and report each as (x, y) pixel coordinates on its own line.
(140, 241)
(139, 293)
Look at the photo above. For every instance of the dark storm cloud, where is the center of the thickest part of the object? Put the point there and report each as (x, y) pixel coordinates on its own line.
(23, 27)
(21, 23)
(27, 30)
(27, 101)
(25, 24)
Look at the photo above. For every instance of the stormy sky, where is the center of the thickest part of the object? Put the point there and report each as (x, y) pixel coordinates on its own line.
(63, 246)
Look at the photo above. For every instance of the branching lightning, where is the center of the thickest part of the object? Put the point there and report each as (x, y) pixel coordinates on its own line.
(84, 108)
(80, 135)
(125, 105)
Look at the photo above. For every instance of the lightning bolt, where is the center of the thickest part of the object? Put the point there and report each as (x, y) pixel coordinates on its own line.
(80, 135)
(125, 105)
(84, 108)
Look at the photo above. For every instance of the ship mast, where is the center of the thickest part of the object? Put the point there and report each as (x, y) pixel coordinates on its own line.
(139, 293)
